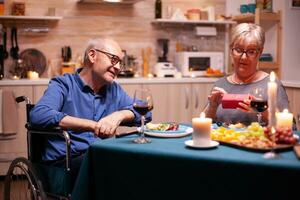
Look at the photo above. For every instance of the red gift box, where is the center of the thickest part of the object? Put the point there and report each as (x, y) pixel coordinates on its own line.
(231, 101)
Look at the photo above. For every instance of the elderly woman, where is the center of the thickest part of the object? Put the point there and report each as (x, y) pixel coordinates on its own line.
(246, 47)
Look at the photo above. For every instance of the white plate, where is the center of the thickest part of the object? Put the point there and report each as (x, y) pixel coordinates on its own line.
(191, 144)
(183, 131)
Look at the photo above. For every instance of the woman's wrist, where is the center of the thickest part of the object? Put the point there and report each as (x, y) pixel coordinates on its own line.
(213, 105)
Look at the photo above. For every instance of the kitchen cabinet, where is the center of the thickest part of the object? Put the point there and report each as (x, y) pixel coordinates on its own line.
(12, 148)
(267, 20)
(178, 102)
(130, 88)
(294, 96)
(38, 92)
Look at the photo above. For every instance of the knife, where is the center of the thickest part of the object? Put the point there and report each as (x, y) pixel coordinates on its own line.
(127, 134)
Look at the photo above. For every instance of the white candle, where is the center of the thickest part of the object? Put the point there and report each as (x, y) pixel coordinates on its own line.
(202, 128)
(32, 75)
(284, 119)
(272, 96)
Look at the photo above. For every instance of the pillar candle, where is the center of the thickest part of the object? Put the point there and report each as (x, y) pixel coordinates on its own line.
(32, 75)
(284, 119)
(202, 127)
(272, 97)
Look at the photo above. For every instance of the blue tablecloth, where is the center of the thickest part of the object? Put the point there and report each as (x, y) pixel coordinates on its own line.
(166, 169)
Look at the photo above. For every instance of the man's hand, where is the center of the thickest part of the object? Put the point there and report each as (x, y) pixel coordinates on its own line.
(107, 126)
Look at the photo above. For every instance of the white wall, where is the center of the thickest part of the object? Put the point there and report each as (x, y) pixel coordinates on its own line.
(291, 43)
(290, 36)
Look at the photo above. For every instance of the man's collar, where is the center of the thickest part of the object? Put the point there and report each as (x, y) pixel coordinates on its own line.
(85, 87)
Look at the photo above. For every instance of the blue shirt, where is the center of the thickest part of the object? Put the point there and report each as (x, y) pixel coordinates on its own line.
(69, 95)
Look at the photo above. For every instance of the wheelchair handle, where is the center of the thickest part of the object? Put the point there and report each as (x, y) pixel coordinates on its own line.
(23, 98)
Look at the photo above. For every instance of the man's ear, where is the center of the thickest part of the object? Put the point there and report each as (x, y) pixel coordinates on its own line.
(92, 55)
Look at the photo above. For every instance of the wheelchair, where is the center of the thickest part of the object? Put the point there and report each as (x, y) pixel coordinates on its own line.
(31, 178)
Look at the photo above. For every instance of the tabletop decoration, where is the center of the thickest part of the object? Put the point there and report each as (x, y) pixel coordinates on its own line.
(284, 119)
(272, 103)
(202, 129)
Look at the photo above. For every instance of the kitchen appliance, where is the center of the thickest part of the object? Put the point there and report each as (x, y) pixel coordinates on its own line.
(163, 67)
(196, 63)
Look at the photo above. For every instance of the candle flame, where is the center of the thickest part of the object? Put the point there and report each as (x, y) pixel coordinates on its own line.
(273, 130)
(272, 76)
(202, 115)
(285, 110)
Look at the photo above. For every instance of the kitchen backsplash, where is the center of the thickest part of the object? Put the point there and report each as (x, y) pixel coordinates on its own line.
(129, 25)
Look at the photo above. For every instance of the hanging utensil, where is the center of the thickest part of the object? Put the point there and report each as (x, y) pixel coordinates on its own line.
(69, 54)
(1, 62)
(5, 52)
(14, 44)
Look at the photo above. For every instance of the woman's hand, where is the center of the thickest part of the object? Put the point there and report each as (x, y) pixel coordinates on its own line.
(216, 96)
(245, 105)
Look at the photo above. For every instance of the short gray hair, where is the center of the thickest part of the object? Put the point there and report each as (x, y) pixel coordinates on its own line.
(244, 30)
(97, 43)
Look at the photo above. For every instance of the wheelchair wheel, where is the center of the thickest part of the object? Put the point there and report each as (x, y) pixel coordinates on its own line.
(21, 182)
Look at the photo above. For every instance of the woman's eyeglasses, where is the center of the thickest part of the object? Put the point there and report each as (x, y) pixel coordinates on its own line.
(251, 53)
(113, 59)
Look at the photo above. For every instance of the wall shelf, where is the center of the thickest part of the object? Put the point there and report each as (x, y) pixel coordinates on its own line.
(268, 65)
(191, 22)
(258, 16)
(124, 2)
(10, 20)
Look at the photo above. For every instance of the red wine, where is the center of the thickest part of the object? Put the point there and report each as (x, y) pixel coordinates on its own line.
(259, 105)
(141, 109)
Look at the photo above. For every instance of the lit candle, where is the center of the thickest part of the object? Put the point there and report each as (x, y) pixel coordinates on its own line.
(272, 96)
(202, 129)
(32, 75)
(15, 77)
(284, 119)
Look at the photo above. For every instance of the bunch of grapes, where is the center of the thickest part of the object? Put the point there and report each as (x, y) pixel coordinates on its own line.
(282, 135)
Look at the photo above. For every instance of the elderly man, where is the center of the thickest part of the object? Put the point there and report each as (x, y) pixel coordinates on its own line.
(87, 104)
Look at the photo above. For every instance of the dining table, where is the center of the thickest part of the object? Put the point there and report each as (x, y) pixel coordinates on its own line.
(166, 168)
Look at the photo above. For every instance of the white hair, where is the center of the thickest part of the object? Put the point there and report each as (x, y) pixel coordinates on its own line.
(244, 30)
(98, 43)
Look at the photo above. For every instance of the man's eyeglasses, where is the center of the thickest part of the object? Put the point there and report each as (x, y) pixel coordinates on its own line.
(251, 53)
(113, 59)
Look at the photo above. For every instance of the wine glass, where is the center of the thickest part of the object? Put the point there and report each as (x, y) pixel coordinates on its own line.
(142, 104)
(259, 103)
(272, 154)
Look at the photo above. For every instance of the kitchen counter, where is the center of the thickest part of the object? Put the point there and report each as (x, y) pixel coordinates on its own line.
(45, 81)
(292, 84)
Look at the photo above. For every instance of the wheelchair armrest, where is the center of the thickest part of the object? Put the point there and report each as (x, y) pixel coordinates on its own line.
(50, 129)
(53, 131)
